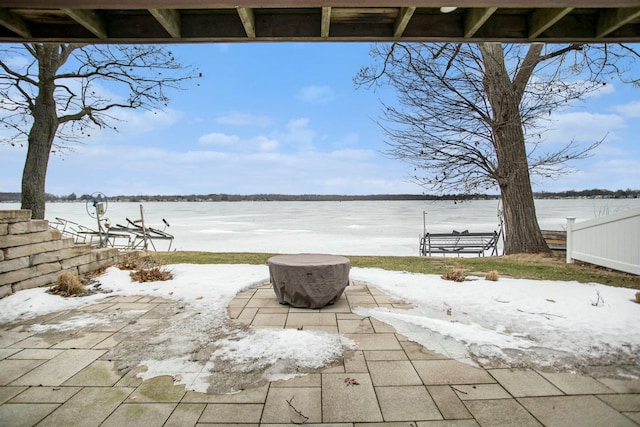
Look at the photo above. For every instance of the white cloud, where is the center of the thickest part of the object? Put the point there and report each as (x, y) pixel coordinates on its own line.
(218, 139)
(256, 168)
(604, 89)
(237, 144)
(352, 154)
(265, 144)
(299, 134)
(243, 119)
(630, 110)
(297, 124)
(583, 127)
(316, 94)
(350, 139)
(139, 121)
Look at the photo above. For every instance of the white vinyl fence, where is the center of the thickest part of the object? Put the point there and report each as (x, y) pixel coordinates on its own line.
(611, 241)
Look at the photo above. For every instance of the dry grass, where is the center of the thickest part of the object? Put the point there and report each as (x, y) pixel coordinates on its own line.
(145, 268)
(638, 297)
(455, 275)
(153, 274)
(493, 275)
(68, 285)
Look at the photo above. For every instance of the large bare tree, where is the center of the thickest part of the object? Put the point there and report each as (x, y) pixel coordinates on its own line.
(51, 94)
(471, 117)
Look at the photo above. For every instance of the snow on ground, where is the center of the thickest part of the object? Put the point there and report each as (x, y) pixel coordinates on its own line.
(516, 321)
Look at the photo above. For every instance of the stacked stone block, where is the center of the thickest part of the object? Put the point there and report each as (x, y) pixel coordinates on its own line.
(33, 255)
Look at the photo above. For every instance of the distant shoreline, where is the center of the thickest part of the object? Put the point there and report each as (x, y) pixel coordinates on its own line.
(572, 194)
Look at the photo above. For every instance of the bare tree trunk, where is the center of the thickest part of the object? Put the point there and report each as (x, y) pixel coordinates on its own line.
(522, 233)
(41, 135)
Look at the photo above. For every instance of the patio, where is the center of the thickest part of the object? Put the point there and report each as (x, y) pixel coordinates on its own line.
(58, 378)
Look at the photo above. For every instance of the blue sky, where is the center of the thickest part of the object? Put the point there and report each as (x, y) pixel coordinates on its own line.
(286, 118)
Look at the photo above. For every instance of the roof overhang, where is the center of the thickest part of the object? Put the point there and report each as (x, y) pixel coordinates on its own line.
(193, 21)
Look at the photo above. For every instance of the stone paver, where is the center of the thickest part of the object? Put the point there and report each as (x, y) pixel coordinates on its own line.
(99, 373)
(89, 407)
(35, 354)
(7, 393)
(524, 382)
(584, 411)
(375, 341)
(140, 414)
(571, 383)
(45, 395)
(24, 414)
(59, 369)
(8, 338)
(393, 372)
(293, 405)
(354, 361)
(481, 391)
(622, 402)
(434, 372)
(185, 414)
(225, 413)
(502, 412)
(345, 402)
(11, 369)
(407, 403)
(448, 402)
(68, 378)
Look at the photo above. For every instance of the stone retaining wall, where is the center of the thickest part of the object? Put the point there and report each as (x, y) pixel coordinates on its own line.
(33, 255)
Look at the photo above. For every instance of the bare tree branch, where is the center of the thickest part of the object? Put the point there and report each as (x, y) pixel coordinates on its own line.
(470, 117)
(59, 100)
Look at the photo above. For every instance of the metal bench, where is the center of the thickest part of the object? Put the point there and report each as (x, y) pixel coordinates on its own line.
(459, 243)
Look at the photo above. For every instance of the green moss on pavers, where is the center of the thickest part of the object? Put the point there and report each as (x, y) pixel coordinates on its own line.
(185, 414)
(45, 395)
(149, 414)
(99, 373)
(130, 379)
(158, 389)
(90, 406)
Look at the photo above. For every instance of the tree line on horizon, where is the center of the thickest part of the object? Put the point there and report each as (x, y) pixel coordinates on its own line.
(223, 197)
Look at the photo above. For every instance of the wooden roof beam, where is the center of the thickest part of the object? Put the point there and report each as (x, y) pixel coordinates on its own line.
(543, 19)
(170, 21)
(90, 20)
(404, 16)
(612, 19)
(326, 21)
(475, 19)
(248, 21)
(15, 23)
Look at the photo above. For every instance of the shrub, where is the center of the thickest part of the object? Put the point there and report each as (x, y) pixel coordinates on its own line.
(153, 274)
(68, 284)
(493, 275)
(144, 268)
(638, 297)
(455, 275)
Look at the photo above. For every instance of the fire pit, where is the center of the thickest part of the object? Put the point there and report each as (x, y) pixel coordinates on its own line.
(309, 280)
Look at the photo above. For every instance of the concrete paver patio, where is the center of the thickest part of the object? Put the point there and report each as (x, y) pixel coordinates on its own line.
(60, 378)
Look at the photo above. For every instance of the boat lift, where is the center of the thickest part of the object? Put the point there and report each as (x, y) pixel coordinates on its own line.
(135, 235)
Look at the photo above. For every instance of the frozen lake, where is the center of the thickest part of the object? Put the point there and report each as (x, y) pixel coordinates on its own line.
(346, 228)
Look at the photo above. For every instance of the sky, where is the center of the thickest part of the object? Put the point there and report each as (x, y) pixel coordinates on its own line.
(566, 325)
(287, 118)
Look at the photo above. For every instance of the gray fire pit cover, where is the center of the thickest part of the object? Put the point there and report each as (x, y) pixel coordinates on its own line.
(309, 280)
